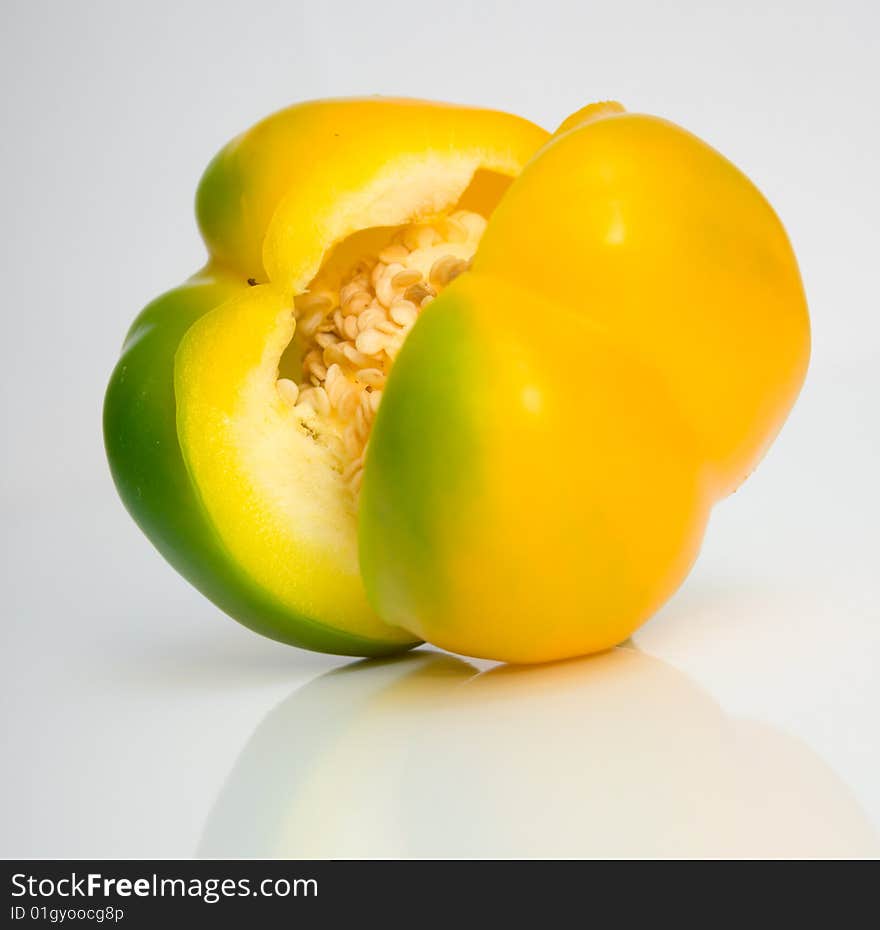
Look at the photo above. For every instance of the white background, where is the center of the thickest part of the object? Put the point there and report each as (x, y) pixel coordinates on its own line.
(127, 698)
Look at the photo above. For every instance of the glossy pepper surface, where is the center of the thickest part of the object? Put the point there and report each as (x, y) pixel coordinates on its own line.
(565, 389)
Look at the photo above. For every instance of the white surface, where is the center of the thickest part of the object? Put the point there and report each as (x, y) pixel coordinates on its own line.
(748, 725)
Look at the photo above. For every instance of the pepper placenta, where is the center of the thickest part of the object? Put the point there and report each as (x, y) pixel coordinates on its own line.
(446, 377)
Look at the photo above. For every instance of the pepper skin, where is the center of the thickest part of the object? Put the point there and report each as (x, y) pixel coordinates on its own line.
(629, 341)
(554, 430)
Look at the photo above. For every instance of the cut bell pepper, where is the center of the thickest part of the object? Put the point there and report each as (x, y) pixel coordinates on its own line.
(448, 378)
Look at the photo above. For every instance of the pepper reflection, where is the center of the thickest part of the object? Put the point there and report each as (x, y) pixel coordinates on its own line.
(614, 755)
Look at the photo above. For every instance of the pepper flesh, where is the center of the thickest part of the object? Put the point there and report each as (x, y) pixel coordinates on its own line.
(185, 409)
(556, 427)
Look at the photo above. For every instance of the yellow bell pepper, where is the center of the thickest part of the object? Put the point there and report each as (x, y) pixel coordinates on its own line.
(542, 385)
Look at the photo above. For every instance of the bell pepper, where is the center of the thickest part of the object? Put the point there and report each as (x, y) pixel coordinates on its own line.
(448, 378)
